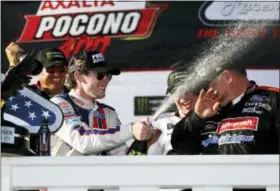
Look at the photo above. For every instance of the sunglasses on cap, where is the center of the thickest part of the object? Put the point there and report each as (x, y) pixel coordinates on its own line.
(59, 68)
(101, 75)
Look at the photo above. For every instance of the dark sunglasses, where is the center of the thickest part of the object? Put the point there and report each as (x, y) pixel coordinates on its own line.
(53, 69)
(101, 75)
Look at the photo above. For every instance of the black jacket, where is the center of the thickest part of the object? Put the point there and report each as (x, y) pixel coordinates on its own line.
(247, 127)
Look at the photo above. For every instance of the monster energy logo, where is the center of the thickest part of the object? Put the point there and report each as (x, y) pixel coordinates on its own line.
(142, 106)
(49, 55)
(136, 153)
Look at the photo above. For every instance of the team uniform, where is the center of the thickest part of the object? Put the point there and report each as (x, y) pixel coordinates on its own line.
(88, 128)
(246, 126)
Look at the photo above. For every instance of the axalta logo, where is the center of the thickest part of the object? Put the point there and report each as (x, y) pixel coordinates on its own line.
(62, 20)
(224, 13)
(235, 124)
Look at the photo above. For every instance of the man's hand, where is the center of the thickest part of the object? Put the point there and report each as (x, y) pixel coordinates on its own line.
(141, 130)
(13, 52)
(155, 136)
(207, 104)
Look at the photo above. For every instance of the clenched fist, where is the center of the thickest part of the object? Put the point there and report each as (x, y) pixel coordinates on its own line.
(141, 130)
(13, 52)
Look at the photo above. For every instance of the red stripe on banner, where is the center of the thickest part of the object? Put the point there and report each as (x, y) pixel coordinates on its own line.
(30, 28)
(103, 120)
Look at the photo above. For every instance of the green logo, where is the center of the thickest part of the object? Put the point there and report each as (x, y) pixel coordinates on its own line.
(49, 55)
(136, 153)
(142, 106)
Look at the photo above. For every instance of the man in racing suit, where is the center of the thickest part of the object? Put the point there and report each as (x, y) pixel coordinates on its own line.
(89, 126)
(235, 116)
(166, 121)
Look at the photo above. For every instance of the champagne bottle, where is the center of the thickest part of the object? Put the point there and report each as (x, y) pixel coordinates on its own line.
(44, 139)
(138, 148)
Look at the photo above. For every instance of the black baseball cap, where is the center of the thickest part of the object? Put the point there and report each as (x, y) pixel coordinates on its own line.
(175, 77)
(181, 71)
(51, 56)
(93, 60)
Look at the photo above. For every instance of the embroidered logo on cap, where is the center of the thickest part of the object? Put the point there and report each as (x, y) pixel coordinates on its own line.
(98, 58)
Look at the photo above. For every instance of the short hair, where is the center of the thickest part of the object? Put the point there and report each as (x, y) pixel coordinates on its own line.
(239, 70)
(82, 68)
(237, 65)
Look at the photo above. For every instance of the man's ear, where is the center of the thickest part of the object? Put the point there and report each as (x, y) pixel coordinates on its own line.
(227, 75)
(78, 76)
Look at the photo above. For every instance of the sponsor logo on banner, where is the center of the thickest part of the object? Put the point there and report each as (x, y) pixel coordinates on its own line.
(90, 24)
(147, 105)
(141, 106)
(218, 12)
(222, 14)
(236, 124)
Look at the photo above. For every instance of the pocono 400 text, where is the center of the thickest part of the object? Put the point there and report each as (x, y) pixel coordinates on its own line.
(102, 24)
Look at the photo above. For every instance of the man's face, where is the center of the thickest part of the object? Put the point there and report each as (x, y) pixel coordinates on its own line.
(53, 78)
(223, 85)
(94, 84)
(185, 103)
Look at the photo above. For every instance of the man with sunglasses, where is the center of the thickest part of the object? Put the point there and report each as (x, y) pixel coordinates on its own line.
(52, 78)
(90, 127)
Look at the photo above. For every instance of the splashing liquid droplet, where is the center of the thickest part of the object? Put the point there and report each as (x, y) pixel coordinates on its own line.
(221, 54)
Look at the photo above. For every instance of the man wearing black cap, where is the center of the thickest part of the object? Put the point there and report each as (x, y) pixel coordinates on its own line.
(186, 102)
(90, 127)
(52, 78)
(161, 145)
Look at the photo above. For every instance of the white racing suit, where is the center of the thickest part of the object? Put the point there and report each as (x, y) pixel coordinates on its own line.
(88, 128)
(165, 123)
